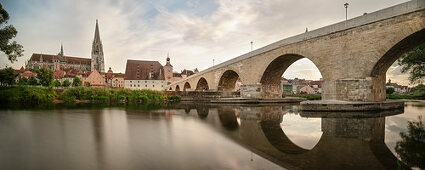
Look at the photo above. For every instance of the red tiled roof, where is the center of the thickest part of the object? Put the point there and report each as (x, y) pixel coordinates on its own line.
(140, 70)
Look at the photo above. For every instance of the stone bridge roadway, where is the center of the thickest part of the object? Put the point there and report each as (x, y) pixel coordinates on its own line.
(346, 142)
(352, 56)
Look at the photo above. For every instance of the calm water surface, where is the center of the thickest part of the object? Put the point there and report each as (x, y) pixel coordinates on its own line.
(196, 136)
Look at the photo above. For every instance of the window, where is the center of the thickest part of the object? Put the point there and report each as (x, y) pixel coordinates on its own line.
(146, 81)
(130, 82)
(138, 85)
(153, 85)
(146, 85)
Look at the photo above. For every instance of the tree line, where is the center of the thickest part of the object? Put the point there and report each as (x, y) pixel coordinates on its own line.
(44, 77)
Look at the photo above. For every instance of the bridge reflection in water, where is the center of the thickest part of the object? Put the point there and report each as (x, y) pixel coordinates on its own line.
(348, 141)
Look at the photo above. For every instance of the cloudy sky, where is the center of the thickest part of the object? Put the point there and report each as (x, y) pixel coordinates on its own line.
(194, 32)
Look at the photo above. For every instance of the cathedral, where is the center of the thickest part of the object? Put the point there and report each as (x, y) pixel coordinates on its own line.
(62, 62)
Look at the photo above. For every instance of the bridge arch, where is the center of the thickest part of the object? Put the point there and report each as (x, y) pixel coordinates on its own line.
(186, 86)
(271, 77)
(202, 84)
(395, 52)
(228, 81)
(177, 88)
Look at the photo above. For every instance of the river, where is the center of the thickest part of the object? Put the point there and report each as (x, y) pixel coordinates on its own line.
(199, 136)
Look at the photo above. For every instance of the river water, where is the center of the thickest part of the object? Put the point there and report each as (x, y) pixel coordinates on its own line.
(200, 136)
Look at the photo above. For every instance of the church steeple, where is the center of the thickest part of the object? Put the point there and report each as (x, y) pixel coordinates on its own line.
(61, 50)
(97, 59)
(96, 34)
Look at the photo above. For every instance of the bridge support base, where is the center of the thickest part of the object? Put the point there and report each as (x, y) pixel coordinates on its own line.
(349, 106)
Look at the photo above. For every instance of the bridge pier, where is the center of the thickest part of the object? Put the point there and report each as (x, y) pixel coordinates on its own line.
(369, 89)
(259, 91)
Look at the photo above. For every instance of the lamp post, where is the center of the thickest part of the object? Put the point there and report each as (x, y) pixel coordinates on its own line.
(346, 6)
(251, 45)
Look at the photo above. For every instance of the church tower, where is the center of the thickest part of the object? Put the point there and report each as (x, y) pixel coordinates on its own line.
(97, 59)
(168, 70)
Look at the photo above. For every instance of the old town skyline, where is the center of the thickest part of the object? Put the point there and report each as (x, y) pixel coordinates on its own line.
(189, 30)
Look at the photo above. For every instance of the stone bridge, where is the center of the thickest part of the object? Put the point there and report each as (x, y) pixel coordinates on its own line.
(352, 57)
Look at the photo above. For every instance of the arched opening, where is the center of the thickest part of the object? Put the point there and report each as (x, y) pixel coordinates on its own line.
(229, 81)
(186, 86)
(170, 89)
(381, 71)
(177, 88)
(303, 71)
(202, 85)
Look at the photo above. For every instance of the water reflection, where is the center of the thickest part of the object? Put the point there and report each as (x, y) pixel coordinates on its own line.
(352, 142)
(204, 136)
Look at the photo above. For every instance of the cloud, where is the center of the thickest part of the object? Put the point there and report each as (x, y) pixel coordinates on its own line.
(194, 32)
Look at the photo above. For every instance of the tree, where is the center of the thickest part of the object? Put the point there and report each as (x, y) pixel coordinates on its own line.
(13, 50)
(45, 76)
(411, 148)
(7, 76)
(76, 82)
(414, 63)
(87, 84)
(56, 83)
(390, 90)
(23, 81)
(66, 83)
(33, 81)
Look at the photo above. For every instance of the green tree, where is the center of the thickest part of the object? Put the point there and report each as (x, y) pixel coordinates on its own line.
(13, 50)
(7, 76)
(33, 81)
(23, 81)
(411, 148)
(66, 83)
(414, 63)
(87, 84)
(390, 90)
(45, 76)
(76, 82)
(56, 83)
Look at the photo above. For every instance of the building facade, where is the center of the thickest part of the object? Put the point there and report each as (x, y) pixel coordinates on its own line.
(140, 74)
(95, 79)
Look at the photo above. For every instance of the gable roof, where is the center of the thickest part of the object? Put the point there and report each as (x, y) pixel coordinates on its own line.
(70, 60)
(143, 70)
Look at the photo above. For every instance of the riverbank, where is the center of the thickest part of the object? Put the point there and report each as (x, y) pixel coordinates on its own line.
(41, 95)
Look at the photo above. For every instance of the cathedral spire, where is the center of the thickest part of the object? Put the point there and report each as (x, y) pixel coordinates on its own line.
(97, 58)
(96, 34)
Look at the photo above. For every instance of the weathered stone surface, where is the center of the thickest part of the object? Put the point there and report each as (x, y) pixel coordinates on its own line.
(349, 106)
(352, 56)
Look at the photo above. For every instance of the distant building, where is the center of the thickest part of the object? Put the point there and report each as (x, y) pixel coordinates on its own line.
(114, 80)
(140, 74)
(95, 79)
(306, 90)
(57, 62)
(62, 62)
(397, 88)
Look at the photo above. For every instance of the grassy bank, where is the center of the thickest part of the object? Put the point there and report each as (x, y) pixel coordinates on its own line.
(27, 94)
(114, 95)
(307, 96)
(45, 95)
(406, 96)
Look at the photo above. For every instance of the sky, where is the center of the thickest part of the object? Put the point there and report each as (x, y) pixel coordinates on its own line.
(193, 32)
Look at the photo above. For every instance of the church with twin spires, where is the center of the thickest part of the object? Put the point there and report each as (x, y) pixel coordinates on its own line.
(62, 62)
